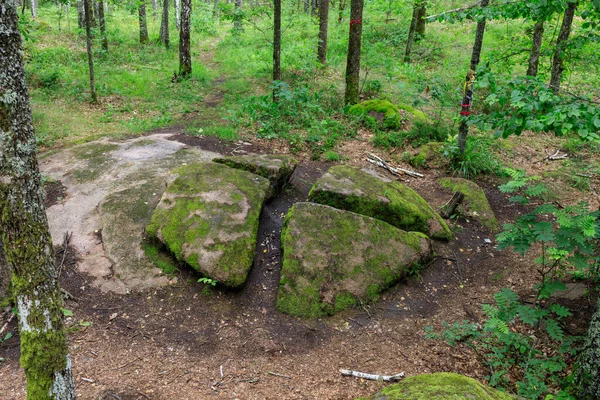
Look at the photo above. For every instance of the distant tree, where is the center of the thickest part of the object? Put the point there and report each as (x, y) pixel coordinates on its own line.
(536, 48)
(34, 8)
(238, 26)
(177, 6)
(276, 48)
(88, 39)
(185, 58)
(164, 24)
(80, 15)
(26, 242)
(411, 32)
(103, 39)
(154, 9)
(323, 25)
(421, 17)
(341, 9)
(561, 44)
(353, 61)
(142, 21)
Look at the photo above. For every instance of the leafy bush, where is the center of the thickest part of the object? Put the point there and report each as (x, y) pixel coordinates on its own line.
(476, 160)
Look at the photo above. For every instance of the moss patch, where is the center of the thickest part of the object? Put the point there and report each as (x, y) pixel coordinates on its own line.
(334, 258)
(160, 258)
(429, 155)
(351, 189)
(475, 204)
(418, 115)
(381, 114)
(96, 160)
(208, 217)
(276, 168)
(442, 385)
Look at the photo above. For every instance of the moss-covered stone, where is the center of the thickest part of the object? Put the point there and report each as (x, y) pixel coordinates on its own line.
(429, 155)
(352, 189)
(443, 385)
(380, 114)
(276, 168)
(96, 157)
(418, 115)
(475, 204)
(208, 217)
(334, 258)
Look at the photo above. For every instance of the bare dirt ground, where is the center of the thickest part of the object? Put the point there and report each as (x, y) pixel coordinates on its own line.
(190, 341)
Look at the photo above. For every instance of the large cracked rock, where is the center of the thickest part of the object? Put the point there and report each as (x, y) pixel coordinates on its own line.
(333, 258)
(276, 168)
(208, 217)
(442, 385)
(475, 203)
(370, 194)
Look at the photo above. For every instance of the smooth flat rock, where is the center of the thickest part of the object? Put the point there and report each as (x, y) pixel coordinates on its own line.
(442, 385)
(208, 217)
(367, 193)
(332, 258)
(475, 203)
(276, 168)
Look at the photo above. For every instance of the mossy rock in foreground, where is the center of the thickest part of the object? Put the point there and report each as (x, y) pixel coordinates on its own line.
(380, 114)
(352, 189)
(276, 168)
(475, 203)
(332, 259)
(208, 217)
(443, 385)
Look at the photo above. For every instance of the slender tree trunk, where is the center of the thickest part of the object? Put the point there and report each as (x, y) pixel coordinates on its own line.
(561, 44)
(421, 21)
(353, 61)
(276, 48)
(34, 7)
(314, 4)
(411, 34)
(536, 48)
(154, 9)
(164, 24)
(323, 25)
(177, 5)
(467, 102)
(101, 20)
(306, 6)
(341, 10)
(88, 39)
(237, 17)
(80, 15)
(142, 21)
(24, 233)
(587, 373)
(185, 59)
(216, 8)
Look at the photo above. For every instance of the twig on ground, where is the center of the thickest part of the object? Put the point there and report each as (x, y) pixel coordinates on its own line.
(10, 318)
(143, 394)
(279, 375)
(373, 377)
(356, 322)
(556, 156)
(65, 249)
(127, 363)
(460, 275)
(373, 159)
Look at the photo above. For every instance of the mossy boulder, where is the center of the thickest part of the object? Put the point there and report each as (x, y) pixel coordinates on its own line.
(418, 115)
(276, 168)
(208, 217)
(442, 385)
(370, 194)
(475, 203)
(333, 258)
(380, 114)
(427, 156)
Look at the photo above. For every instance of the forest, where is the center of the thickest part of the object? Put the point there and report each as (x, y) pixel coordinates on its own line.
(300, 199)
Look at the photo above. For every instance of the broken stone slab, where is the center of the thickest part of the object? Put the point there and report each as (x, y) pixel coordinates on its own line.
(475, 203)
(442, 385)
(367, 193)
(333, 258)
(276, 168)
(208, 217)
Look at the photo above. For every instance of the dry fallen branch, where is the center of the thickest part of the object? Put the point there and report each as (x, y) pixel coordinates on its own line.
(448, 209)
(373, 377)
(373, 159)
(279, 375)
(557, 156)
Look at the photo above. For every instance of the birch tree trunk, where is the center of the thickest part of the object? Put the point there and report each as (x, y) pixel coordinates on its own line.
(323, 25)
(164, 24)
(561, 44)
(276, 48)
(88, 39)
(353, 61)
(142, 21)
(185, 59)
(587, 374)
(102, 21)
(154, 9)
(177, 5)
(26, 240)
(80, 15)
(536, 48)
(34, 7)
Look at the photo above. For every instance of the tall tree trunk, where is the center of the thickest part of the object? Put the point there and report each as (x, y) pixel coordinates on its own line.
(421, 21)
(341, 10)
(101, 20)
(80, 15)
(561, 44)
(154, 9)
(88, 39)
(34, 8)
(314, 4)
(164, 24)
(463, 129)
(536, 48)
(323, 25)
(587, 373)
(411, 34)
(185, 59)
(237, 17)
(177, 5)
(306, 6)
(353, 61)
(25, 237)
(276, 48)
(142, 21)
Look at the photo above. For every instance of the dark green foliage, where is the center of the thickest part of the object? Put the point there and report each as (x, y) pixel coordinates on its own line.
(476, 160)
